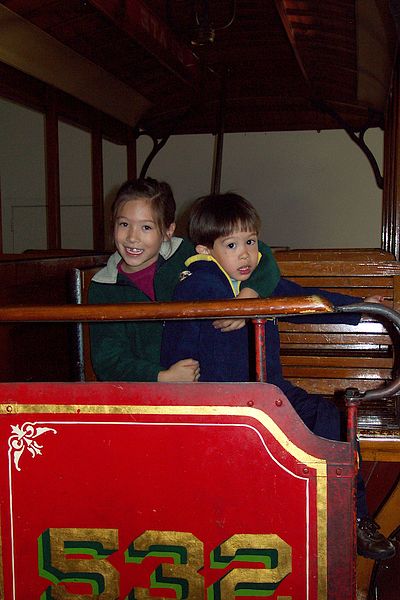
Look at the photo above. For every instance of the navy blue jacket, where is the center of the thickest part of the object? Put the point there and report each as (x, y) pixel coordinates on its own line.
(222, 356)
(225, 356)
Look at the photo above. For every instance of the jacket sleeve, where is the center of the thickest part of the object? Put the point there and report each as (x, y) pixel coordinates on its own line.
(286, 287)
(265, 277)
(113, 353)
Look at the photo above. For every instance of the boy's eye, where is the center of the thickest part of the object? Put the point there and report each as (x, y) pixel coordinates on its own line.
(231, 245)
(251, 242)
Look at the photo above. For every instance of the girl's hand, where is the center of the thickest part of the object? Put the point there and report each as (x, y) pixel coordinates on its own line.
(229, 324)
(186, 370)
(226, 325)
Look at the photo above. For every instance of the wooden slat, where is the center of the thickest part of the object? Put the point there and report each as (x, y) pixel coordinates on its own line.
(329, 338)
(294, 268)
(380, 449)
(370, 327)
(337, 372)
(330, 386)
(337, 254)
(365, 349)
(314, 361)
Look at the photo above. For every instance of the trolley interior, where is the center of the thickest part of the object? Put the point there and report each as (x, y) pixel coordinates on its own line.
(116, 490)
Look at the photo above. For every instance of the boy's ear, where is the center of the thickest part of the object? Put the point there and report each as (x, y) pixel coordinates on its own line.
(200, 249)
(169, 232)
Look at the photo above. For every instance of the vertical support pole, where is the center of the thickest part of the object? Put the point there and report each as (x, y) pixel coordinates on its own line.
(352, 400)
(52, 175)
(131, 156)
(261, 367)
(219, 142)
(97, 190)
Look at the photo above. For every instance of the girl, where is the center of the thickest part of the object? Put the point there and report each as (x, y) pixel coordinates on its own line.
(145, 268)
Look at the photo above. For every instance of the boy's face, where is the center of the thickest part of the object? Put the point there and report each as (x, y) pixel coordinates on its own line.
(237, 253)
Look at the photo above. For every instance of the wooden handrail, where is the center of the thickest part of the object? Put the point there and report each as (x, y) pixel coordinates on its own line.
(249, 308)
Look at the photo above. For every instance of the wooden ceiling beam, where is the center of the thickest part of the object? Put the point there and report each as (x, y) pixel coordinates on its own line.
(32, 51)
(282, 11)
(137, 20)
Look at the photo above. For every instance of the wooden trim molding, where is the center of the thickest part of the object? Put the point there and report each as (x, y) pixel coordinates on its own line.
(97, 190)
(33, 51)
(52, 177)
(131, 157)
(391, 188)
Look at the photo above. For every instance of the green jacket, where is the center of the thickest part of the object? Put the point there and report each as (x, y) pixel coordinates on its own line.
(130, 351)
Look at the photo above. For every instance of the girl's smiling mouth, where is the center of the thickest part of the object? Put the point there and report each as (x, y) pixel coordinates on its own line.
(133, 251)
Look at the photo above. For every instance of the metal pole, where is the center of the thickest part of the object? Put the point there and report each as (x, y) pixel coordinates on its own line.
(261, 367)
(219, 141)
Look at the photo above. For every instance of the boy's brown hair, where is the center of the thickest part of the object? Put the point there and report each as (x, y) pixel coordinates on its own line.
(218, 215)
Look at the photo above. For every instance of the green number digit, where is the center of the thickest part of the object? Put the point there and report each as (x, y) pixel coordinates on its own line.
(55, 544)
(268, 549)
(182, 576)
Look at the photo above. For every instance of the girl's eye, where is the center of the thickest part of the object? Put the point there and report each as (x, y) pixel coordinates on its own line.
(123, 224)
(147, 227)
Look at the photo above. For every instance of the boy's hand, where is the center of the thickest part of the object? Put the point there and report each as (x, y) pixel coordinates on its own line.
(378, 300)
(247, 293)
(226, 325)
(186, 370)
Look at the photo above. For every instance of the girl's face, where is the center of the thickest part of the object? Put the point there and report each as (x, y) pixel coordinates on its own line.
(137, 236)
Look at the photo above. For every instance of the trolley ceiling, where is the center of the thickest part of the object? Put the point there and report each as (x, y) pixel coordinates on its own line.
(274, 64)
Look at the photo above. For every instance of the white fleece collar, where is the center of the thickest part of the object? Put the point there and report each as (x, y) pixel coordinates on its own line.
(109, 273)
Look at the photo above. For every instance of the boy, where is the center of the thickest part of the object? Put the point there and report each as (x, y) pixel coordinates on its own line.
(224, 229)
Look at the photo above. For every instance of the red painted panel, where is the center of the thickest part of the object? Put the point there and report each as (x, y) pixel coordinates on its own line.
(109, 489)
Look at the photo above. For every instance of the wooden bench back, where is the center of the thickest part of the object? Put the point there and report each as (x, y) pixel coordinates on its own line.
(326, 359)
(337, 254)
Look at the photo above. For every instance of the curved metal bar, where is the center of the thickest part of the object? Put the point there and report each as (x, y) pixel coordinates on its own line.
(392, 316)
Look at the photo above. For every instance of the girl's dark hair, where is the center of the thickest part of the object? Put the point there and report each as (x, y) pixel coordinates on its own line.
(158, 193)
(219, 215)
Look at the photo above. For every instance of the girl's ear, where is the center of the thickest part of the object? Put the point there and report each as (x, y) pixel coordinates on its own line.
(169, 232)
(200, 249)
